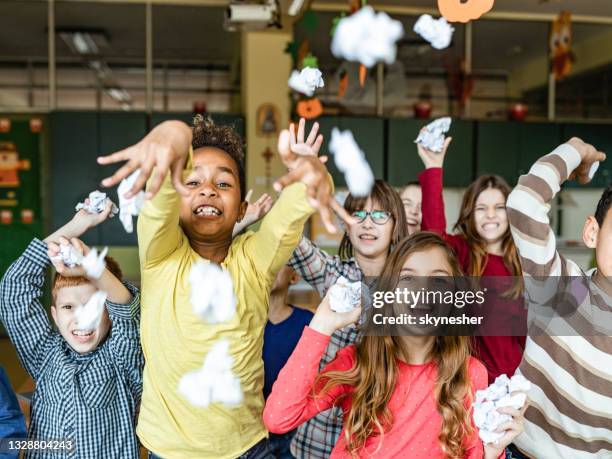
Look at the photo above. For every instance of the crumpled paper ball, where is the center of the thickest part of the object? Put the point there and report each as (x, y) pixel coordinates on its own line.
(129, 207)
(68, 255)
(438, 32)
(344, 296)
(432, 137)
(94, 263)
(97, 204)
(88, 315)
(502, 393)
(215, 382)
(350, 160)
(212, 292)
(367, 37)
(306, 81)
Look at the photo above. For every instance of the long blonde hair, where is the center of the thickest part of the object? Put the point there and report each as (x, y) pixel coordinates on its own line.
(374, 375)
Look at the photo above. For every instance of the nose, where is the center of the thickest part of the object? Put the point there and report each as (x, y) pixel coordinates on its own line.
(207, 189)
(367, 223)
(491, 212)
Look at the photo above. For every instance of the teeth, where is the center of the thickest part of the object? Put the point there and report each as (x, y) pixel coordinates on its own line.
(367, 236)
(82, 332)
(207, 210)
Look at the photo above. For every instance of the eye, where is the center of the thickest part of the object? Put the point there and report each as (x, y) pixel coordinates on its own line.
(192, 183)
(67, 306)
(224, 185)
(359, 214)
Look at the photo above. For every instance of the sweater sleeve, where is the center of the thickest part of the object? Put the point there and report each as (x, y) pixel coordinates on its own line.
(432, 208)
(295, 398)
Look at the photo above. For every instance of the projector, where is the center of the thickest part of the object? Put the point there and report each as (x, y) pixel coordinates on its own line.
(246, 15)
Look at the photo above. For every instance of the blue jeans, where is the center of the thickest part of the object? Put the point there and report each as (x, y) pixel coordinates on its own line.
(259, 451)
(512, 452)
(279, 445)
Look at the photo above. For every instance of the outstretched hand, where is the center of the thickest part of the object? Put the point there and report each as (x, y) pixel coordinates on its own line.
(255, 211)
(311, 171)
(431, 158)
(589, 155)
(298, 146)
(164, 149)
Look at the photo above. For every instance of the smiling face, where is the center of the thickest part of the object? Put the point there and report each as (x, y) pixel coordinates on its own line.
(370, 239)
(213, 206)
(490, 217)
(67, 300)
(411, 198)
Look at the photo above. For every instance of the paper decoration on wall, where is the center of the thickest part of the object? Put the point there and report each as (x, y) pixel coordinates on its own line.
(27, 216)
(464, 11)
(268, 120)
(367, 37)
(35, 125)
(5, 125)
(438, 32)
(343, 84)
(10, 165)
(6, 217)
(561, 54)
(309, 108)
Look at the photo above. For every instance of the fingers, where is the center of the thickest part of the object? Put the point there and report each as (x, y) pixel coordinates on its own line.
(284, 145)
(342, 213)
(115, 157)
(302, 149)
(177, 170)
(287, 179)
(79, 245)
(316, 147)
(122, 173)
(52, 249)
(447, 142)
(247, 198)
(301, 129)
(292, 138)
(312, 136)
(326, 218)
(146, 169)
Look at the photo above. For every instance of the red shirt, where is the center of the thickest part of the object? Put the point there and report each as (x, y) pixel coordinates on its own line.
(500, 354)
(416, 420)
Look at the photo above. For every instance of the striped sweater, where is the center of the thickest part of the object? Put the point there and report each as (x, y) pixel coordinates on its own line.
(570, 410)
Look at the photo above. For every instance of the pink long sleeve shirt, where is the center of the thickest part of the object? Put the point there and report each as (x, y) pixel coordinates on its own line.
(416, 420)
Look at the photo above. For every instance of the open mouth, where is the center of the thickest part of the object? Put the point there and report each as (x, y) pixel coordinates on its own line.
(82, 336)
(412, 222)
(367, 237)
(207, 211)
(490, 226)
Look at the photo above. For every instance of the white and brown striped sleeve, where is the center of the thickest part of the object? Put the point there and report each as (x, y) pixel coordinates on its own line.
(528, 207)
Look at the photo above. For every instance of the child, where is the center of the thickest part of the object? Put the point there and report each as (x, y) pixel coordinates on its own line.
(177, 229)
(402, 396)
(411, 198)
(12, 423)
(282, 333)
(484, 247)
(88, 382)
(365, 246)
(570, 412)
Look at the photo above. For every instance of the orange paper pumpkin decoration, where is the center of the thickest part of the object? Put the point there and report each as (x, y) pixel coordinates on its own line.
(309, 108)
(344, 80)
(363, 72)
(459, 11)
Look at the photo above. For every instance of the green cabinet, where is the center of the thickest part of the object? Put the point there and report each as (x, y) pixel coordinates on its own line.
(404, 163)
(369, 135)
(600, 136)
(76, 140)
(509, 149)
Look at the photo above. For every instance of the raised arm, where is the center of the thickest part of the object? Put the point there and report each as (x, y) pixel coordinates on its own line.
(124, 341)
(292, 400)
(21, 310)
(161, 158)
(529, 204)
(320, 269)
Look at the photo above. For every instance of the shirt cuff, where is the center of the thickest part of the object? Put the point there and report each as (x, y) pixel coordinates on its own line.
(125, 311)
(36, 253)
(570, 156)
(315, 338)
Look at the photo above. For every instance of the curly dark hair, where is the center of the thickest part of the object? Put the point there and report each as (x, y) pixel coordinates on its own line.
(603, 206)
(207, 134)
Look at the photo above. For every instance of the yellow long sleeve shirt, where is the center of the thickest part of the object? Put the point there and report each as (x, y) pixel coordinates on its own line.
(175, 341)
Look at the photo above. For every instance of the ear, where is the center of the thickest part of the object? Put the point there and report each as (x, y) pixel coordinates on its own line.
(54, 314)
(590, 232)
(294, 279)
(242, 210)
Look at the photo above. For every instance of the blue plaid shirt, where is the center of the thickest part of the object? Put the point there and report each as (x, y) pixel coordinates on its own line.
(90, 399)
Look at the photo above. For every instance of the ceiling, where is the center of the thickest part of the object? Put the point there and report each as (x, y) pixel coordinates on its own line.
(193, 35)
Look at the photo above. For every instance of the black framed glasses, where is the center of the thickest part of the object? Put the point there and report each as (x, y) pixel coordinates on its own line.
(380, 217)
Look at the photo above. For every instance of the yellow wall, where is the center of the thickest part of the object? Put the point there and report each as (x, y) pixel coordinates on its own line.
(265, 71)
